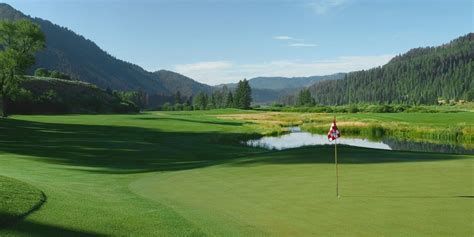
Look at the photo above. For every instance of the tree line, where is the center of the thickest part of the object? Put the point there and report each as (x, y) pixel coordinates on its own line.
(43, 72)
(240, 98)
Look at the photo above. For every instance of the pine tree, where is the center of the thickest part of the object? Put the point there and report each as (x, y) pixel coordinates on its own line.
(247, 99)
(177, 97)
(243, 95)
(304, 98)
(200, 101)
(229, 100)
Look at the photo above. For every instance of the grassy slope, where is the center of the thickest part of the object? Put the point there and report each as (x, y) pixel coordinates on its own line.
(17, 199)
(177, 173)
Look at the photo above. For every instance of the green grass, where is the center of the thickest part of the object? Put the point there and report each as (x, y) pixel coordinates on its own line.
(453, 128)
(425, 119)
(17, 200)
(185, 174)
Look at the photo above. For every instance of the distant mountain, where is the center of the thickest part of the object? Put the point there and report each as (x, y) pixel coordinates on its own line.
(271, 89)
(173, 81)
(282, 83)
(265, 96)
(83, 60)
(420, 76)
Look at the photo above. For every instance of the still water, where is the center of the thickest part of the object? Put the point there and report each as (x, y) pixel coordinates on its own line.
(297, 138)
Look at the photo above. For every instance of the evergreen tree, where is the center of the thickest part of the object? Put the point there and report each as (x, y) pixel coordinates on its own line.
(200, 101)
(247, 95)
(177, 97)
(304, 98)
(243, 95)
(229, 100)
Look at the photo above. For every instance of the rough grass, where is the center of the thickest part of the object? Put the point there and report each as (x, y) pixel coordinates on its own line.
(437, 128)
(185, 174)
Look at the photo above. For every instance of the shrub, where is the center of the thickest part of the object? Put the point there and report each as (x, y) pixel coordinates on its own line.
(41, 72)
(401, 108)
(167, 107)
(353, 109)
(277, 105)
(178, 107)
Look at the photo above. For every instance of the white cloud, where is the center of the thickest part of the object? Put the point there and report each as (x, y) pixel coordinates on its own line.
(218, 72)
(302, 45)
(286, 37)
(283, 37)
(289, 38)
(322, 7)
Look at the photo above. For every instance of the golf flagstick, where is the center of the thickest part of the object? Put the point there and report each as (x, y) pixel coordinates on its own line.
(333, 135)
(337, 171)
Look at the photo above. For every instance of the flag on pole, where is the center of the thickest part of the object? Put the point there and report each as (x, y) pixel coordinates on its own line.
(333, 133)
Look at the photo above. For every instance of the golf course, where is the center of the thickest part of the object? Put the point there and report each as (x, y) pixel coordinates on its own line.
(220, 118)
(187, 173)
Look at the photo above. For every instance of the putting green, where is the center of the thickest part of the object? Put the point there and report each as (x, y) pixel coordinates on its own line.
(292, 193)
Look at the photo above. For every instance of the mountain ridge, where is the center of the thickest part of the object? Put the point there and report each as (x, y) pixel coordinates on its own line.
(272, 89)
(279, 83)
(84, 60)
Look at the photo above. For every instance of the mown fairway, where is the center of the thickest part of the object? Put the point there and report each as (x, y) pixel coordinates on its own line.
(184, 174)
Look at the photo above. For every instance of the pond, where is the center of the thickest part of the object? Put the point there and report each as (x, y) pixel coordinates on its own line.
(297, 138)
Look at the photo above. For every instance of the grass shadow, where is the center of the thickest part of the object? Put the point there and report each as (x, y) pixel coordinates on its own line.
(31, 228)
(225, 123)
(7, 219)
(118, 149)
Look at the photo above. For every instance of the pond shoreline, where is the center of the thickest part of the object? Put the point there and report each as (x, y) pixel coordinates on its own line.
(297, 137)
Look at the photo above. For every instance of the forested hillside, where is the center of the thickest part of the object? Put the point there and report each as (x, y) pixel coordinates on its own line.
(43, 95)
(175, 82)
(420, 76)
(83, 60)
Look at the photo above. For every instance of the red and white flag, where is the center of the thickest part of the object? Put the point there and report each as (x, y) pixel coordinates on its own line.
(333, 133)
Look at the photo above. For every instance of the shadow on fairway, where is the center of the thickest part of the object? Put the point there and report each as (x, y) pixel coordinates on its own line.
(227, 123)
(6, 219)
(121, 149)
(19, 224)
(39, 229)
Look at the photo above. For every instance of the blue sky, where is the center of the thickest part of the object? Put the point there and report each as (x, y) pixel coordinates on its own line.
(220, 41)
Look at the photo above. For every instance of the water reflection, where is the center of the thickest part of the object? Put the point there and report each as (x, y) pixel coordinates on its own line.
(296, 138)
(299, 139)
